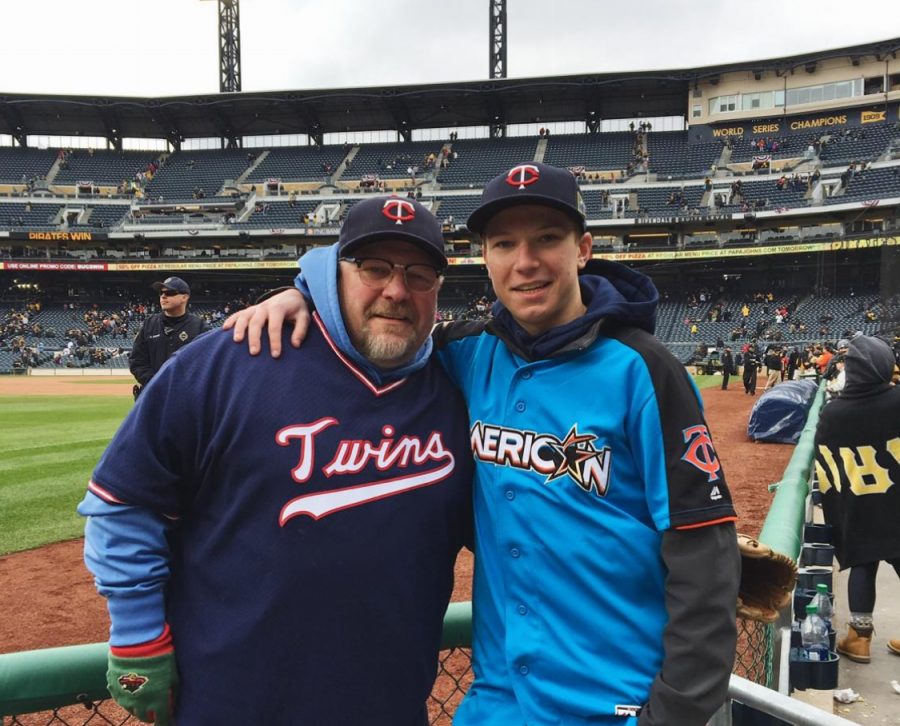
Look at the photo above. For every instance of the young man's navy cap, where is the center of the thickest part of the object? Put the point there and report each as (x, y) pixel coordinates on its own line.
(392, 218)
(175, 284)
(530, 183)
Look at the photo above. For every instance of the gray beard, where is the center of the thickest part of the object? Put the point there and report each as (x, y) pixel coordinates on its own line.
(387, 351)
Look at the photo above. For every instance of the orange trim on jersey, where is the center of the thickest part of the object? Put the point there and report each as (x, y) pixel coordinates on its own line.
(707, 524)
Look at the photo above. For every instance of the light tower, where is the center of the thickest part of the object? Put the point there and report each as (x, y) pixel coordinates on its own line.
(229, 46)
(498, 55)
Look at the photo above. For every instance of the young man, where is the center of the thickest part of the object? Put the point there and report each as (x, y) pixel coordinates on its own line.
(606, 568)
(276, 539)
(163, 333)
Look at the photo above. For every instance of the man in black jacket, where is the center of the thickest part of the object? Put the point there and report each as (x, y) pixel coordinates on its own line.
(163, 333)
(751, 368)
(727, 367)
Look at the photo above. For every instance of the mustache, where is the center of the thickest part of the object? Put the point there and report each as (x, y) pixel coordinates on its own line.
(391, 311)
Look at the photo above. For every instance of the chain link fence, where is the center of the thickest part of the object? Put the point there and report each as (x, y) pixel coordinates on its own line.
(753, 661)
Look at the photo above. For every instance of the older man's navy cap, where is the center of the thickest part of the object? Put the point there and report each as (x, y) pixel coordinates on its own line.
(401, 218)
(530, 183)
(175, 284)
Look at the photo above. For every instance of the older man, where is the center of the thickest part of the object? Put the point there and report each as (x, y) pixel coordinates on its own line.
(277, 537)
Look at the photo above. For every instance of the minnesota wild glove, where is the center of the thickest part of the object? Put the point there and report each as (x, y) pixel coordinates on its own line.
(142, 679)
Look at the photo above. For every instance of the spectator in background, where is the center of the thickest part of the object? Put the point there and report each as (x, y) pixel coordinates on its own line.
(751, 368)
(773, 367)
(164, 333)
(859, 472)
(727, 367)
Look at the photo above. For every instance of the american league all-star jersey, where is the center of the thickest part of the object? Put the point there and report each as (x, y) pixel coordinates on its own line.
(582, 461)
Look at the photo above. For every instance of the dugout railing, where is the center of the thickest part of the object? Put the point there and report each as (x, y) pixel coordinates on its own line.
(68, 685)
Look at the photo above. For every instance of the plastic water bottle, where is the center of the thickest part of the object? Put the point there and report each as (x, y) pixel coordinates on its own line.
(814, 635)
(823, 605)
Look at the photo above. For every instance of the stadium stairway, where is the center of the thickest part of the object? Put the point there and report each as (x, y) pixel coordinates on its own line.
(250, 169)
(345, 162)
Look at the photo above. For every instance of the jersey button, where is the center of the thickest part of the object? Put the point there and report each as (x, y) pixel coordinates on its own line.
(510, 494)
(520, 406)
(523, 669)
(514, 552)
(526, 375)
(523, 610)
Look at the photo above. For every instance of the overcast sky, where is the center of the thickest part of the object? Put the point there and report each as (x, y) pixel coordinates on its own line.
(169, 47)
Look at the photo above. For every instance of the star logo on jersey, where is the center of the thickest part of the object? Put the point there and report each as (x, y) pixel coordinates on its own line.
(132, 682)
(574, 456)
(523, 175)
(399, 210)
(700, 451)
(571, 454)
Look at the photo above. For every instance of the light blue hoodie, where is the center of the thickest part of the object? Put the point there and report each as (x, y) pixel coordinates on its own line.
(318, 282)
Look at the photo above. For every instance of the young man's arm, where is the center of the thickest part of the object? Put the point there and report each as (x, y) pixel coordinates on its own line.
(272, 312)
(690, 504)
(700, 636)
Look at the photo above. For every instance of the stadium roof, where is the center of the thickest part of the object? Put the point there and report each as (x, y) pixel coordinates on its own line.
(476, 103)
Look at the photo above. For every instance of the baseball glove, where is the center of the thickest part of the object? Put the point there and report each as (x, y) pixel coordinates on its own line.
(767, 580)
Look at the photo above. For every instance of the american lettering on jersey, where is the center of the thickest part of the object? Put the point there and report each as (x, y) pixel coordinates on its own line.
(417, 464)
(574, 456)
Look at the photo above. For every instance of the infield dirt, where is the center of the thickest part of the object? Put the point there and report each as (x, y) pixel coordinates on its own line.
(48, 598)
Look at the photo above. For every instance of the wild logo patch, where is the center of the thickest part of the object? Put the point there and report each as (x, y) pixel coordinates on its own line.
(574, 455)
(132, 682)
(700, 451)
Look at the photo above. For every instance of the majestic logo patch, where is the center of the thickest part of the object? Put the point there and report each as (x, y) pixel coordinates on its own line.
(399, 210)
(545, 454)
(700, 451)
(628, 710)
(523, 175)
(132, 682)
(351, 457)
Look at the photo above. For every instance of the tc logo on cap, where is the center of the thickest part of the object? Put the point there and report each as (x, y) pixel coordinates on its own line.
(523, 175)
(399, 210)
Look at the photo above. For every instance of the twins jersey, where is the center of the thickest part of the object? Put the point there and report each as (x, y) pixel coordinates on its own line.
(317, 521)
(582, 460)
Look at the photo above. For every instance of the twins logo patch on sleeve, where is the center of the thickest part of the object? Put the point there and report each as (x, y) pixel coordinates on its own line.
(700, 451)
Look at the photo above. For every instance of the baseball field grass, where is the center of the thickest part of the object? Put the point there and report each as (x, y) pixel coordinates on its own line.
(707, 381)
(48, 448)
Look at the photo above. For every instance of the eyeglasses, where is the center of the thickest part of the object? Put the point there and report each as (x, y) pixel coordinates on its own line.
(377, 273)
(170, 293)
